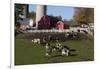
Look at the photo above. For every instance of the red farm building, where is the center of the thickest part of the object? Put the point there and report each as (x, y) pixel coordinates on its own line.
(50, 22)
(60, 25)
(44, 23)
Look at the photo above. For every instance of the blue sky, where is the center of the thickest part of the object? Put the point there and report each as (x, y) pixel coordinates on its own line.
(63, 11)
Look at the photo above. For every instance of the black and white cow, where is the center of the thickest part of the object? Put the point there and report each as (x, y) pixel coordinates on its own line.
(36, 41)
(58, 48)
(65, 51)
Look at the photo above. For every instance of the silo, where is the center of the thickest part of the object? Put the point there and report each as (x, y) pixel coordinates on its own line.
(40, 11)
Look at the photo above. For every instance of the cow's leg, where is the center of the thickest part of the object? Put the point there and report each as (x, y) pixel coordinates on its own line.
(67, 53)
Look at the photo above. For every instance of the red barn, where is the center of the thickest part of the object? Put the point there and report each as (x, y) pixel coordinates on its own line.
(44, 23)
(60, 25)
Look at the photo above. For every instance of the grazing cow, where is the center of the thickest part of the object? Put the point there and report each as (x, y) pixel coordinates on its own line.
(48, 49)
(58, 46)
(72, 35)
(36, 41)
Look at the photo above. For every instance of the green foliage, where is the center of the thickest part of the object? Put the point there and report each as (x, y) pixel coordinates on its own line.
(18, 11)
(32, 15)
(84, 15)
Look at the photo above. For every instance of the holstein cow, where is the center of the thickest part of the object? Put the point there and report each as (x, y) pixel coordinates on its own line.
(37, 40)
(63, 49)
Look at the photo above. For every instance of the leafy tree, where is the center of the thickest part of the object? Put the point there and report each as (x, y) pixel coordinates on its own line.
(32, 15)
(84, 15)
(18, 11)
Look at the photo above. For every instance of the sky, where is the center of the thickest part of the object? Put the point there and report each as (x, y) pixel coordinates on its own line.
(63, 11)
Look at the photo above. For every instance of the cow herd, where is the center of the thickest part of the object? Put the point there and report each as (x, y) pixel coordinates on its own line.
(63, 50)
(58, 47)
(43, 39)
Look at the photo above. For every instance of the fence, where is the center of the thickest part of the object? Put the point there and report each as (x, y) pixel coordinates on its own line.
(75, 29)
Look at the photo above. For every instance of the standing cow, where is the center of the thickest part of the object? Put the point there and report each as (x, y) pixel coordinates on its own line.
(37, 40)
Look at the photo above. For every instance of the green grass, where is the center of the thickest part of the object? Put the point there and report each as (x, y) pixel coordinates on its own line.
(28, 53)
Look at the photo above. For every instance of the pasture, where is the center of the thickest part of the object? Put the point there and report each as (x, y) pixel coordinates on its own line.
(28, 53)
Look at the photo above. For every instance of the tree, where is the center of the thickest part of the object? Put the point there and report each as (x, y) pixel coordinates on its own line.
(32, 15)
(84, 15)
(18, 11)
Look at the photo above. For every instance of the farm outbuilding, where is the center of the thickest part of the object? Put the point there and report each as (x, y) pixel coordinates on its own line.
(60, 25)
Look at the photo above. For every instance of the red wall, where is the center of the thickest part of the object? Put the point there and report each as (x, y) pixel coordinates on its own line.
(60, 25)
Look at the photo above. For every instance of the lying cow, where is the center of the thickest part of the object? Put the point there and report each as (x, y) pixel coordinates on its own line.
(36, 41)
(65, 51)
